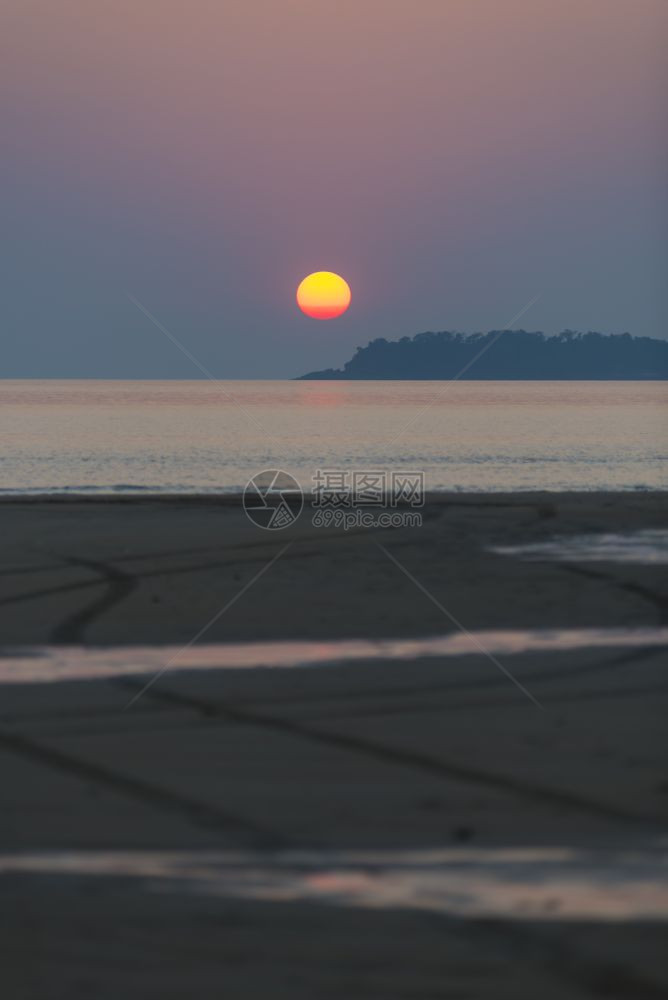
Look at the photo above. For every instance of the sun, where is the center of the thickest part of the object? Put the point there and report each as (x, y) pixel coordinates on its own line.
(323, 295)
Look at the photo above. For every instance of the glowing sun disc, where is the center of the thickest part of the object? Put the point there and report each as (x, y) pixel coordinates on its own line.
(323, 295)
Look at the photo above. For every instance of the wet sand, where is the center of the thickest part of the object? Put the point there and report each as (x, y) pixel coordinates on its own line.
(398, 828)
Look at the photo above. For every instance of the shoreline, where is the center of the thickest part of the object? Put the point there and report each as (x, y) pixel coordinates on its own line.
(235, 496)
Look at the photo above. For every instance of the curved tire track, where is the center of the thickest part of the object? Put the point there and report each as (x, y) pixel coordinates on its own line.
(119, 586)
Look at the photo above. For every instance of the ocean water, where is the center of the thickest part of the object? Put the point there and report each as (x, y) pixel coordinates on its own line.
(89, 436)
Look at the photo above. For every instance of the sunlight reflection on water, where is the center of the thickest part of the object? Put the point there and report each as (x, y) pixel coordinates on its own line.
(59, 663)
(512, 883)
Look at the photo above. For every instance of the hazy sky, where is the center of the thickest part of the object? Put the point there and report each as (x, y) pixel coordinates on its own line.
(450, 158)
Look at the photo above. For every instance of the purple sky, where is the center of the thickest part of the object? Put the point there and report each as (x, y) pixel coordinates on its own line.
(450, 158)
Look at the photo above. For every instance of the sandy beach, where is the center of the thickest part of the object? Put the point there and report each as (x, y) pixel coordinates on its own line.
(472, 824)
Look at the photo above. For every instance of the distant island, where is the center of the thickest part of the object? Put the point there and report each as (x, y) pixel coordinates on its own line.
(506, 354)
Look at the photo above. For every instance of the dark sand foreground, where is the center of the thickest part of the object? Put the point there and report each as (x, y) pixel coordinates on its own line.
(412, 829)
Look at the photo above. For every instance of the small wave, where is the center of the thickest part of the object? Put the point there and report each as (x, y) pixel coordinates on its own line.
(127, 489)
(649, 547)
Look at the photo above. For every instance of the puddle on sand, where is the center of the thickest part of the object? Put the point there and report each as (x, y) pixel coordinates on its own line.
(647, 547)
(60, 663)
(518, 883)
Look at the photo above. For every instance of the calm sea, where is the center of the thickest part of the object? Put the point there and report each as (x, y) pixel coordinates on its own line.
(200, 436)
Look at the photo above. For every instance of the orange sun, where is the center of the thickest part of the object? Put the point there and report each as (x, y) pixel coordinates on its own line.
(323, 295)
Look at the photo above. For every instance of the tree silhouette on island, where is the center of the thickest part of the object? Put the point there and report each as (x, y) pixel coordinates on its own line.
(506, 354)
